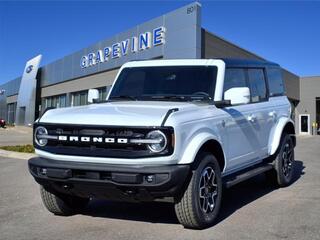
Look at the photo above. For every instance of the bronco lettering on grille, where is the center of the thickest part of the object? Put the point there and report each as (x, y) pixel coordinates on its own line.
(91, 139)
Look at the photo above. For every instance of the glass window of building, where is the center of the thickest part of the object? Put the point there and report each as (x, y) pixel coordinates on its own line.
(58, 101)
(79, 98)
(102, 93)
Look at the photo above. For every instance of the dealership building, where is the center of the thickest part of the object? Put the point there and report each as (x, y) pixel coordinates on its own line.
(175, 35)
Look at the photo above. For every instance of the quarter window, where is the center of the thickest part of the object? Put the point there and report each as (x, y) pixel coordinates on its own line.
(257, 85)
(276, 86)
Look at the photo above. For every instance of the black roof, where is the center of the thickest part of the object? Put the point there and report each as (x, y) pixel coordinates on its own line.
(233, 62)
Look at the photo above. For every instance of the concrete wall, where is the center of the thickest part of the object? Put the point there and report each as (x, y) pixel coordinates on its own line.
(292, 83)
(84, 83)
(309, 90)
(217, 47)
(12, 99)
(11, 88)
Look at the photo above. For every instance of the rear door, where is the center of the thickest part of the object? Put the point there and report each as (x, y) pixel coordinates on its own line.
(262, 108)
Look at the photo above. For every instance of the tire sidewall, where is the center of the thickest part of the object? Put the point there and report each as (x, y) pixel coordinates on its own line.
(206, 160)
(282, 179)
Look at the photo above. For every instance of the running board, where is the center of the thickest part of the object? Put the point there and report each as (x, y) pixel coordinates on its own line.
(245, 174)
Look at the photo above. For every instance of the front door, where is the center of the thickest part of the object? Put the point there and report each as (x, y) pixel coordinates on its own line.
(243, 146)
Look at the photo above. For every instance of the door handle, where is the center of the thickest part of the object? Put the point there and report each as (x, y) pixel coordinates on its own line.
(252, 118)
(273, 114)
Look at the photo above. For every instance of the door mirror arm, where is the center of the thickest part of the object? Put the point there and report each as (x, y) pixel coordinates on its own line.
(222, 103)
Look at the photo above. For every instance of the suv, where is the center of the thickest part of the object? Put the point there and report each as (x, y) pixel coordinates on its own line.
(170, 130)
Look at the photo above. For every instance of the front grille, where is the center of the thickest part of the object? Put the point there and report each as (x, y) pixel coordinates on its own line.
(119, 148)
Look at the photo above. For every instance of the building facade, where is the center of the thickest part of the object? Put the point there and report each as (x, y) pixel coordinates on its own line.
(309, 107)
(65, 82)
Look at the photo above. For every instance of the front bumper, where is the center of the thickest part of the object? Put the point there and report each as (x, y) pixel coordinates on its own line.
(114, 182)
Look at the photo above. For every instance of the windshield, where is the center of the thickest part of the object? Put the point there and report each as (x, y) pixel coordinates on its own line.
(181, 83)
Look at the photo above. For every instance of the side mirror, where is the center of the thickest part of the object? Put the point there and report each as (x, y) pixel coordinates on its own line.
(238, 95)
(93, 94)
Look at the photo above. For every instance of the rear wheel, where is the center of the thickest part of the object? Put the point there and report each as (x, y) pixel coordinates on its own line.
(200, 204)
(283, 171)
(63, 205)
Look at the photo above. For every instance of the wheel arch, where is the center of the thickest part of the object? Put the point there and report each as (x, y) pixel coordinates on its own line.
(208, 144)
(284, 125)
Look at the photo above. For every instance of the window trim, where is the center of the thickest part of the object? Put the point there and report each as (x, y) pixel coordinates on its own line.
(246, 72)
(265, 82)
(284, 93)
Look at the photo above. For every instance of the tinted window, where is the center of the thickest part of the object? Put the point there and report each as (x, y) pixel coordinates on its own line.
(56, 101)
(234, 77)
(144, 82)
(257, 85)
(102, 94)
(276, 86)
(79, 98)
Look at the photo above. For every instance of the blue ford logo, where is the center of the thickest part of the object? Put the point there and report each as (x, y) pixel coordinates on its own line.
(29, 69)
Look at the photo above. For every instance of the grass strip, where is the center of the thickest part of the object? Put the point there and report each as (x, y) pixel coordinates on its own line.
(19, 148)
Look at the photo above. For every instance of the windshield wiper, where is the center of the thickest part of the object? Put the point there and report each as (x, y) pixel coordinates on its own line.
(201, 97)
(169, 97)
(183, 98)
(125, 97)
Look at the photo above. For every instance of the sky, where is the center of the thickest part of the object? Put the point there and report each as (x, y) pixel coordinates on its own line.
(286, 32)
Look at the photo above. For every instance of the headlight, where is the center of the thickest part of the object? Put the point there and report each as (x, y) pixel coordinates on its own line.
(40, 131)
(160, 141)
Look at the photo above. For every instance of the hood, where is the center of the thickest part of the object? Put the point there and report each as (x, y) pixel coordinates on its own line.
(121, 113)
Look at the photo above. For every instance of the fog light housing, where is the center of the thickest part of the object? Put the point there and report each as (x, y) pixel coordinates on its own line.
(161, 141)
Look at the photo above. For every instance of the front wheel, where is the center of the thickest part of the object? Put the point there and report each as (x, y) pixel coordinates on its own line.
(63, 205)
(200, 203)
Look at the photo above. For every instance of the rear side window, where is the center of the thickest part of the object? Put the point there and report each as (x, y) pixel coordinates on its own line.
(257, 85)
(276, 86)
(234, 77)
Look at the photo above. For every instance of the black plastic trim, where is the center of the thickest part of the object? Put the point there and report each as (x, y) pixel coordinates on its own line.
(113, 150)
(170, 111)
(169, 181)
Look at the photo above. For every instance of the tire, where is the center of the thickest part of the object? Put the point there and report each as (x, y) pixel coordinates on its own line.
(283, 172)
(196, 209)
(62, 205)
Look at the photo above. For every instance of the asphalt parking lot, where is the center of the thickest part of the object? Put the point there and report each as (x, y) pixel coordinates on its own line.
(251, 210)
(15, 136)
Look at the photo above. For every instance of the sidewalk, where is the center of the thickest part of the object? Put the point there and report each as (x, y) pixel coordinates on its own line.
(17, 155)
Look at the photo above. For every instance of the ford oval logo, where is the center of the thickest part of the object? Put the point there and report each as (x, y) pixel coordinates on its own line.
(29, 69)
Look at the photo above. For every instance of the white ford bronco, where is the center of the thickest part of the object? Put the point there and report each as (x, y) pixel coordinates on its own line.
(170, 130)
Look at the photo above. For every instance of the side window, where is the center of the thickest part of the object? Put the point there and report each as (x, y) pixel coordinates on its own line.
(234, 77)
(276, 85)
(257, 85)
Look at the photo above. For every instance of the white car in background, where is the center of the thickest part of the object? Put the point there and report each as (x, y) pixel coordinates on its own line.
(170, 130)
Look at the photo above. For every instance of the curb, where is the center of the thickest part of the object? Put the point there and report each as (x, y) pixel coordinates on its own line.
(18, 155)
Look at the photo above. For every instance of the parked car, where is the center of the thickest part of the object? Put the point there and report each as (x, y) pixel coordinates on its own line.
(170, 130)
(2, 123)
